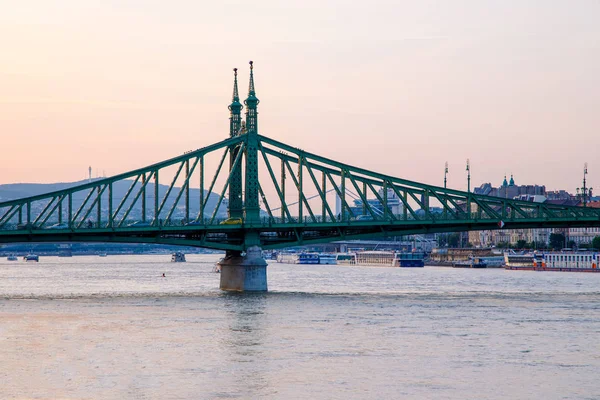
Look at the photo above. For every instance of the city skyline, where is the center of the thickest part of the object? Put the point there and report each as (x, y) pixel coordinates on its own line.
(512, 87)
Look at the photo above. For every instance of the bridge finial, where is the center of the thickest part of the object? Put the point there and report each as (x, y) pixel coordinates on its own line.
(251, 104)
(236, 96)
(235, 108)
(251, 90)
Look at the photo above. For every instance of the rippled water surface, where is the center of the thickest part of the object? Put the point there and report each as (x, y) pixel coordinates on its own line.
(114, 328)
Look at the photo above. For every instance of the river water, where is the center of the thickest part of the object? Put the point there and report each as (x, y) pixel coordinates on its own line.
(114, 328)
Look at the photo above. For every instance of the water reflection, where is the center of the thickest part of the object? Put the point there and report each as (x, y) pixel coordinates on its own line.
(246, 323)
(245, 342)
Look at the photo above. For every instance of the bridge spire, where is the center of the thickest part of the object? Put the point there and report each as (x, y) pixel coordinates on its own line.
(235, 108)
(236, 203)
(251, 205)
(251, 104)
(236, 96)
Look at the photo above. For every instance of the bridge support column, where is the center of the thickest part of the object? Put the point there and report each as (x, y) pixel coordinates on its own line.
(246, 273)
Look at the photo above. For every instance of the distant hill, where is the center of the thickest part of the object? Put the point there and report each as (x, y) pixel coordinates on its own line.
(14, 191)
(20, 190)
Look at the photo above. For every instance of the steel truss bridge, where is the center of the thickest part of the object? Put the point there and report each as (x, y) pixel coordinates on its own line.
(251, 190)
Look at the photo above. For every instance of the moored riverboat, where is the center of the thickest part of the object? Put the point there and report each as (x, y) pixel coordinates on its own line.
(473, 262)
(178, 257)
(375, 258)
(409, 260)
(326, 258)
(307, 258)
(565, 261)
(492, 261)
(577, 261)
(523, 262)
(345, 259)
(298, 258)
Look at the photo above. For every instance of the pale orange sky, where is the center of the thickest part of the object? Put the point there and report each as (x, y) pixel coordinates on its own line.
(397, 87)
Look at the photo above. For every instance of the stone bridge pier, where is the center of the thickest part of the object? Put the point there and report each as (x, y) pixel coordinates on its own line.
(244, 273)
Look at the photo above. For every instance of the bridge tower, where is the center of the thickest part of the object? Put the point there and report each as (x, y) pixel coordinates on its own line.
(236, 203)
(251, 206)
(245, 271)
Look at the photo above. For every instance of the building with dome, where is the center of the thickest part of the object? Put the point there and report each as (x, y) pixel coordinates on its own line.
(510, 190)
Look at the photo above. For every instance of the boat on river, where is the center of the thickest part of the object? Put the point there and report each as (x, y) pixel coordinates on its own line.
(523, 261)
(409, 260)
(298, 258)
(31, 257)
(472, 262)
(565, 261)
(382, 259)
(178, 257)
(345, 259)
(570, 261)
(327, 258)
(375, 258)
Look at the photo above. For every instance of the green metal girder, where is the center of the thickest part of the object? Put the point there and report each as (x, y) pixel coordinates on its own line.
(232, 172)
(126, 175)
(272, 174)
(184, 188)
(396, 181)
(301, 195)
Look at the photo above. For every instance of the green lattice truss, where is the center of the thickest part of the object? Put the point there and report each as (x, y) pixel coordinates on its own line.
(303, 198)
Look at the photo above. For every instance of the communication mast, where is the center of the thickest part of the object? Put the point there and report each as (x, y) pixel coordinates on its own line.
(468, 176)
(445, 173)
(584, 188)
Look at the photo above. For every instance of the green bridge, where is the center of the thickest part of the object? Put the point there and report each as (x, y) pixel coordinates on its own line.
(250, 192)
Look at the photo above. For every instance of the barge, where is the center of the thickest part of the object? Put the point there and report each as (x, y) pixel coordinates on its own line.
(565, 261)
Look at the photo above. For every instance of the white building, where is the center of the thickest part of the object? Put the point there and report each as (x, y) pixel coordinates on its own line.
(582, 235)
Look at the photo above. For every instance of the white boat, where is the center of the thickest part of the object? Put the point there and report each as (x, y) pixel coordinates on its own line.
(298, 258)
(375, 258)
(570, 261)
(520, 261)
(345, 258)
(12, 257)
(288, 258)
(178, 257)
(325, 258)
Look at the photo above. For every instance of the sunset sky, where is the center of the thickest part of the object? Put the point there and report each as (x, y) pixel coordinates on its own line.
(397, 86)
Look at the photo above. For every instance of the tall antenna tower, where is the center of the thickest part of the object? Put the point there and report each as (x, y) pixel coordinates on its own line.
(445, 173)
(468, 176)
(585, 167)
